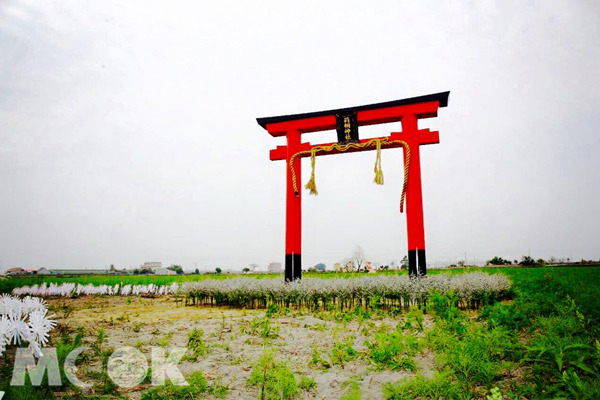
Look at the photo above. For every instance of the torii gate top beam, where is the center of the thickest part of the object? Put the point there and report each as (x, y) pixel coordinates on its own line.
(371, 114)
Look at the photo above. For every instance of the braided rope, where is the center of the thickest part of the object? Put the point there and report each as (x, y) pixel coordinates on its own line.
(345, 147)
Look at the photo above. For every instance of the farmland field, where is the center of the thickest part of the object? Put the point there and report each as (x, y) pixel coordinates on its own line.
(540, 339)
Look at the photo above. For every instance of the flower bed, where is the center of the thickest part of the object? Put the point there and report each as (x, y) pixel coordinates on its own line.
(468, 290)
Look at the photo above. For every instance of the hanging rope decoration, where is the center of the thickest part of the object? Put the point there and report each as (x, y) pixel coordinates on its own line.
(312, 186)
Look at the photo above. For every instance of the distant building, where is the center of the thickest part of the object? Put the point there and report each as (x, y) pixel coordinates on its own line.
(164, 271)
(275, 268)
(369, 267)
(21, 271)
(151, 265)
(44, 271)
(30, 271)
(15, 271)
(75, 272)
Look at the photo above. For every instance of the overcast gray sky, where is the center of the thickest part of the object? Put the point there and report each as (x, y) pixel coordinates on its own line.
(128, 132)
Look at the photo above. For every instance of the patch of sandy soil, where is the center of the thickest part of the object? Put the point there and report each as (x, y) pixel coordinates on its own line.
(232, 346)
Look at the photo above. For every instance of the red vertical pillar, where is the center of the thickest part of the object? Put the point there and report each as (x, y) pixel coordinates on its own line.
(293, 213)
(414, 200)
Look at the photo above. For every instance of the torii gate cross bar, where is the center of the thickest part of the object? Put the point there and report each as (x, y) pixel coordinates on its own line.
(346, 121)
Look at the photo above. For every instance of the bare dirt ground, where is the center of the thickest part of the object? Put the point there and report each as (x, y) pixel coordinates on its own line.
(232, 345)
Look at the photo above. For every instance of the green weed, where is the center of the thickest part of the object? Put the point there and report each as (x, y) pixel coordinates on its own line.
(196, 344)
(274, 379)
(353, 391)
(260, 326)
(197, 386)
(441, 386)
(393, 350)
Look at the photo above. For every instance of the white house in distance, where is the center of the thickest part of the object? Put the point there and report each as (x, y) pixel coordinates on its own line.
(45, 271)
(163, 271)
(151, 265)
(274, 268)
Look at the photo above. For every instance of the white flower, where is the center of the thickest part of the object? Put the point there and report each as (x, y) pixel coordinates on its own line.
(33, 303)
(4, 331)
(35, 348)
(10, 306)
(40, 326)
(17, 329)
(2, 344)
(25, 320)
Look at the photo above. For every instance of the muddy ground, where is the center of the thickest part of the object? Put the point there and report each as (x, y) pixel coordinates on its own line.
(233, 346)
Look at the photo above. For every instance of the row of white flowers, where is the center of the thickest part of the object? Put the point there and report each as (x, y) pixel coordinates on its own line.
(471, 287)
(395, 289)
(75, 289)
(24, 320)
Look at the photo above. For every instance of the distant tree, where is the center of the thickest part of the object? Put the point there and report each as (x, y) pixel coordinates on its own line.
(320, 267)
(404, 263)
(540, 261)
(527, 261)
(112, 268)
(349, 266)
(253, 267)
(218, 270)
(197, 271)
(497, 261)
(143, 271)
(359, 257)
(176, 268)
(246, 270)
(384, 267)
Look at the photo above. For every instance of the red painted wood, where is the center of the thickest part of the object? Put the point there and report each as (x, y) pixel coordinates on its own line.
(414, 196)
(368, 117)
(293, 213)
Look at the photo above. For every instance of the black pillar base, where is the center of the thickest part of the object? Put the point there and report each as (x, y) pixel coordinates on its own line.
(422, 262)
(412, 263)
(293, 267)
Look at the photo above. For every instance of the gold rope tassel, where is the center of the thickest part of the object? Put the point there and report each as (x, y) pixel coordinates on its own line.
(312, 184)
(378, 171)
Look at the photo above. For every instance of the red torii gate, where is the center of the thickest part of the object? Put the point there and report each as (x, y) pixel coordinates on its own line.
(346, 121)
